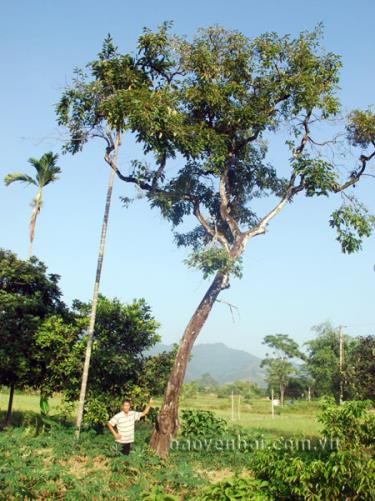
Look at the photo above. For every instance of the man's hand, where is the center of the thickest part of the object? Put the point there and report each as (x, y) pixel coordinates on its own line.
(116, 434)
(147, 409)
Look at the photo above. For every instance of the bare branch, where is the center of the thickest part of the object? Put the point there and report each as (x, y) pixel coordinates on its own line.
(231, 307)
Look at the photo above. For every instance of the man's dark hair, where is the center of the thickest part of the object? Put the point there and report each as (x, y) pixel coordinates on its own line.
(126, 400)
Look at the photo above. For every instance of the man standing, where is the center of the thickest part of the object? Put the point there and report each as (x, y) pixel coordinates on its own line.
(124, 423)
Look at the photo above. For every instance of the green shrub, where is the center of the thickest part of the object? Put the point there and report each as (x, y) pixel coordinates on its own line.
(202, 424)
(348, 473)
(96, 414)
(341, 475)
(350, 423)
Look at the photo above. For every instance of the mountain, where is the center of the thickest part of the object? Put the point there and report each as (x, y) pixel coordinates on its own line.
(223, 363)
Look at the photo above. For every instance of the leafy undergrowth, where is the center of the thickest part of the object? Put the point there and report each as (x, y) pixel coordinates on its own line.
(53, 465)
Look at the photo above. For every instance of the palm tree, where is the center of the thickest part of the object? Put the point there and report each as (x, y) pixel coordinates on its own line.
(46, 172)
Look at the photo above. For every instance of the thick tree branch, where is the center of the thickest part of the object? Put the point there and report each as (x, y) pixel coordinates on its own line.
(224, 205)
(213, 232)
(260, 228)
(355, 177)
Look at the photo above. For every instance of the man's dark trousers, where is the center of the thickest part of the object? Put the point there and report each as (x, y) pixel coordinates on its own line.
(125, 449)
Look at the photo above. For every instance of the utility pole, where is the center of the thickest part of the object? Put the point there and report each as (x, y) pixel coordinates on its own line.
(239, 406)
(341, 361)
(272, 409)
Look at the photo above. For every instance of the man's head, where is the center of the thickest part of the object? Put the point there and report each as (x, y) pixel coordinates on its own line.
(126, 405)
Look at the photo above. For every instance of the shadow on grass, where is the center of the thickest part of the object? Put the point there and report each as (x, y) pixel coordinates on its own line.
(20, 419)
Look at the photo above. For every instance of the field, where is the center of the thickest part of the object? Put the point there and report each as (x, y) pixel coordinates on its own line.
(52, 465)
(296, 419)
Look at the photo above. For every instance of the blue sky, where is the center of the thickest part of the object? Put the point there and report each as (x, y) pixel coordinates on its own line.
(294, 277)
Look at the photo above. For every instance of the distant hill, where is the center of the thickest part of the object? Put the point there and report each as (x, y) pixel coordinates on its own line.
(223, 363)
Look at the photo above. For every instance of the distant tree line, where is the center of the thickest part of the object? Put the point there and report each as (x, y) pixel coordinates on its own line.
(294, 373)
(316, 372)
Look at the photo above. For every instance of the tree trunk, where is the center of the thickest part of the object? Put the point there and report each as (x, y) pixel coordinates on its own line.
(34, 215)
(90, 331)
(282, 391)
(10, 404)
(167, 420)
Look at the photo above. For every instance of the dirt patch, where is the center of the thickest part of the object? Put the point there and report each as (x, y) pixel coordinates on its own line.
(76, 465)
(46, 453)
(215, 476)
(81, 466)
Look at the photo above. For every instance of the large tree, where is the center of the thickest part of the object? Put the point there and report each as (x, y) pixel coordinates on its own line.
(215, 104)
(28, 295)
(279, 366)
(46, 173)
(323, 360)
(359, 369)
(120, 366)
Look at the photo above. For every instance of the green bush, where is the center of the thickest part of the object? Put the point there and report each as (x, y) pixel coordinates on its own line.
(201, 424)
(350, 423)
(341, 475)
(348, 473)
(96, 414)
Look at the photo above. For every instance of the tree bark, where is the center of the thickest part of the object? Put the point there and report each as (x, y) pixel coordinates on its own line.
(34, 215)
(282, 391)
(167, 420)
(10, 404)
(90, 330)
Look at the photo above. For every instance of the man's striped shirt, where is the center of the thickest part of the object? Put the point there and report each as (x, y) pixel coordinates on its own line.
(125, 425)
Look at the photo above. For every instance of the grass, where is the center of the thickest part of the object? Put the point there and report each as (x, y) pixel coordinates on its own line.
(28, 402)
(299, 418)
(296, 419)
(53, 465)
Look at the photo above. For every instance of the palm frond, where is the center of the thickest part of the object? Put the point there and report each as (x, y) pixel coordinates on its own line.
(46, 169)
(19, 176)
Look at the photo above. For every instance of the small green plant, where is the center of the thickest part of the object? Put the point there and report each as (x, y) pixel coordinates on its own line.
(158, 494)
(246, 489)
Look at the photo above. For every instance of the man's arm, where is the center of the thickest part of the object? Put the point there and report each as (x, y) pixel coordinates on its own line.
(115, 434)
(147, 408)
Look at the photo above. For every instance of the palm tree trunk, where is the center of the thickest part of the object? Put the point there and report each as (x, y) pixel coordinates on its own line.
(34, 215)
(282, 392)
(90, 331)
(10, 404)
(167, 420)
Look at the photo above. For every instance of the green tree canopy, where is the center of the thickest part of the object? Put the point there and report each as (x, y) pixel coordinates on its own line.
(120, 368)
(322, 361)
(28, 295)
(279, 366)
(359, 369)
